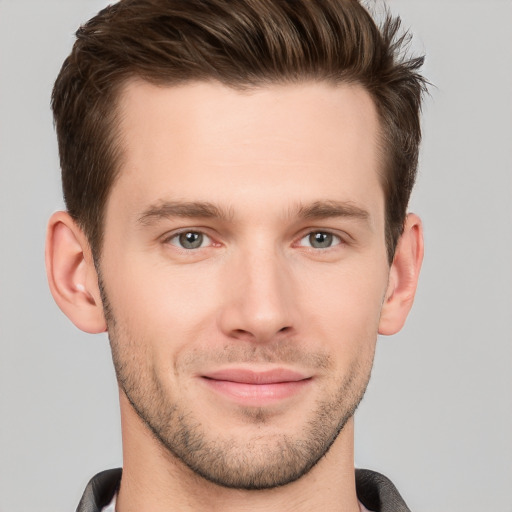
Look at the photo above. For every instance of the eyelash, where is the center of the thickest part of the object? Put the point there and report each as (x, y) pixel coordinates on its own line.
(176, 236)
(336, 239)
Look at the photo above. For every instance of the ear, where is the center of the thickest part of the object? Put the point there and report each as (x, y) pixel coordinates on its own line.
(71, 274)
(403, 277)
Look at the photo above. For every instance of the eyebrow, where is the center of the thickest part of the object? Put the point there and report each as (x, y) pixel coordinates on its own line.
(187, 209)
(332, 209)
(206, 210)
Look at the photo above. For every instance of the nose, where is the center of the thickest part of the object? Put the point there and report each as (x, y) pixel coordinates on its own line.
(259, 303)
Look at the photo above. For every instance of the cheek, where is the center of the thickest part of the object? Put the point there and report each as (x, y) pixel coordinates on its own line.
(343, 306)
(174, 309)
(166, 305)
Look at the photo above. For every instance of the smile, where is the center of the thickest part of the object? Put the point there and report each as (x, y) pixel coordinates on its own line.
(256, 388)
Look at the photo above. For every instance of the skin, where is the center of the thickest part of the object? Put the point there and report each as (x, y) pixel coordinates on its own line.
(258, 174)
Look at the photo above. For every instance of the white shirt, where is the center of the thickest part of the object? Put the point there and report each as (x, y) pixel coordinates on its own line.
(111, 507)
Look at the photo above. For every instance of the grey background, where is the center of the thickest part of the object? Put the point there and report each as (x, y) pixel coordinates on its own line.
(437, 417)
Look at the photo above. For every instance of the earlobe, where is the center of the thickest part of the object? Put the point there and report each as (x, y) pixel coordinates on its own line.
(403, 277)
(71, 274)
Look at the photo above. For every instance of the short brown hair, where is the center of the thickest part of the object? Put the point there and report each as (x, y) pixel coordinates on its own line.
(240, 43)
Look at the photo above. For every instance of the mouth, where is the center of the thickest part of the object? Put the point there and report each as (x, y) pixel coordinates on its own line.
(256, 388)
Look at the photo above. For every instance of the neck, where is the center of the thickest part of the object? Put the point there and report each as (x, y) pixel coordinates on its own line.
(154, 480)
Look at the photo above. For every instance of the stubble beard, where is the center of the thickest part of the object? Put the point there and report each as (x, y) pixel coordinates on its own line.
(254, 463)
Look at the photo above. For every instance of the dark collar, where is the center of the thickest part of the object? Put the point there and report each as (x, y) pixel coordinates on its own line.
(374, 491)
(100, 490)
(377, 493)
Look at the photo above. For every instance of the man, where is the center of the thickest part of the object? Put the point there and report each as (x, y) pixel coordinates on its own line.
(236, 176)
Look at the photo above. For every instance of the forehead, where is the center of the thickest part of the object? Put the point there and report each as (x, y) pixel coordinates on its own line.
(205, 141)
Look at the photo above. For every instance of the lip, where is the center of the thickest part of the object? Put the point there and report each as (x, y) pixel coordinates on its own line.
(256, 388)
(248, 376)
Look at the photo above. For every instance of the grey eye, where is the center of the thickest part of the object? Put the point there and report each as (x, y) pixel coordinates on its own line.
(320, 240)
(190, 240)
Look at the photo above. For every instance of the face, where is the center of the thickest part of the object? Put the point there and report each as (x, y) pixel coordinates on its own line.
(243, 271)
